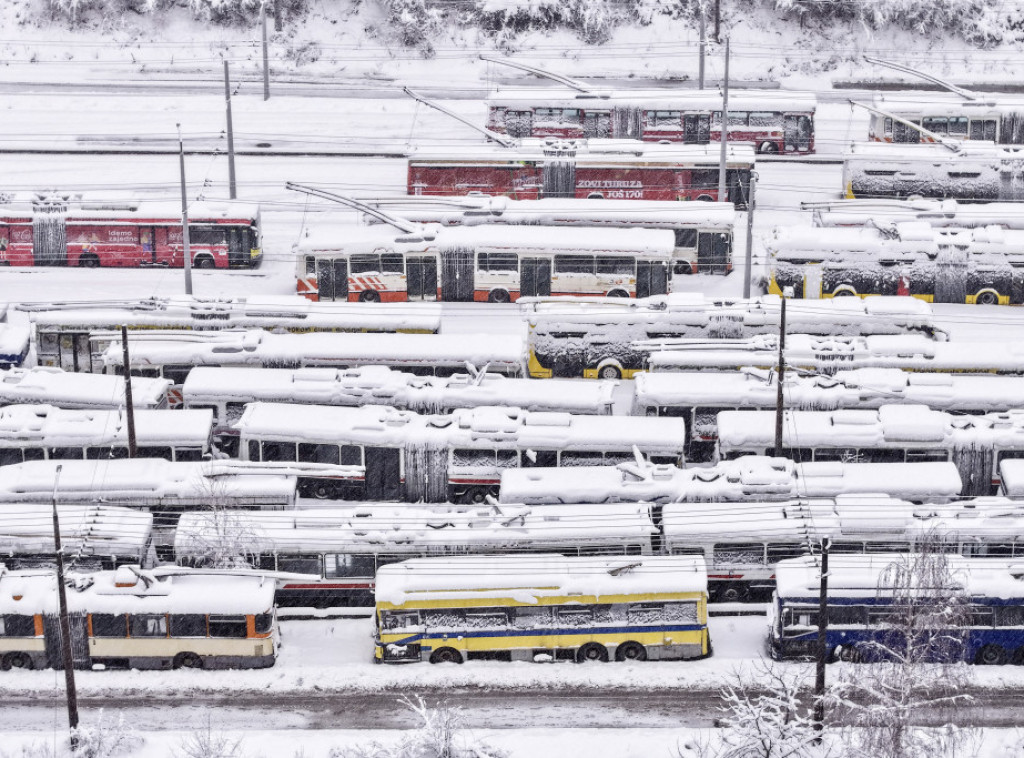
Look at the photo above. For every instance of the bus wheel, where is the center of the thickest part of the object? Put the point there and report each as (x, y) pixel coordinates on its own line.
(369, 296)
(732, 593)
(204, 261)
(767, 147)
(850, 654)
(631, 651)
(498, 296)
(705, 198)
(474, 496)
(187, 661)
(592, 651)
(618, 293)
(446, 655)
(323, 491)
(89, 261)
(16, 661)
(844, 292)
(990, 655)
(609, 371)
(988, 297)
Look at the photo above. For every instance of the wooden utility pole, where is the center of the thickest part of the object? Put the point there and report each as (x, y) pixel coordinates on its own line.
(822, 652)
(232, 189)
(780, 403)
(703, 46)
(723, 195)
(266, 57)
(128, 404)
(65, 623)
(749, 258)
(184, 217)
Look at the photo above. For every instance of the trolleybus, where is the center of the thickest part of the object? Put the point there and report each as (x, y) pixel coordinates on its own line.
(988, 117)
(53, 386)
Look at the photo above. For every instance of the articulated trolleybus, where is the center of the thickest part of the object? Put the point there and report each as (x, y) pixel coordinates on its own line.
(868, 612)
(58, 231)
(542, 607)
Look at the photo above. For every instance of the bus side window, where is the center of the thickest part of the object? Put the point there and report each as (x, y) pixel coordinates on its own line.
(392, 263)
(16, 625)
(575, 615)
(391, 620)
(316, 452)
(177, 374)
(686, 238)
(532, 617)
(188, 625)
(263, 623)
(228, 626)
(9, 455)
(300, 564)
(254, 450)
(148, 625)
(1010, 615)
(347, 564)
(918, 456)
(738, 552)
(278, 451)
(540, 459)
(310, 264)
(107, 625)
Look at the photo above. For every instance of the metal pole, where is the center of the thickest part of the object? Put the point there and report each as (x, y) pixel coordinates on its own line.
(819, 673)
(266, 64)
(703, 46)
(718, 21)
(780, 404)
(187, 251)
(749, 258)
(723, 196)
(65, 622)
(128, 404)
(232, 188)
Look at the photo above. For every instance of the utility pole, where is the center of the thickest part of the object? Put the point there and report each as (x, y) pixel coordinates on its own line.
(128, 404)
(749, 258)
(718, 21)
(184, 217)
(266, 64)
(65, 623)
(819, 673)
(703, 45)
(723, 196)
(780, 404)
(232, 189)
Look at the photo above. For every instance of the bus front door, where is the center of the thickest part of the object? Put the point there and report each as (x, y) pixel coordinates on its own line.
(332, 279)
(421, 277)
(534, 277)
(697, 128)
(75, 354)
(797, 133)
(383, 473)
(714, 253)
(597, 124)
(651, 278)
(457, 276)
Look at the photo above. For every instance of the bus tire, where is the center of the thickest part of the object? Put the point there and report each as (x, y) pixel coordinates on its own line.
(369, 296)
(844, 291)
(733, 593)
(474, 496)
(987, 297)
(592, 651)
(499, 296)
(204, 261)
(705, 198)
(609, 370)
(631, 651)
(187, 661)
(323, 491)
(16, 661)
(446, 655)
(618, 293)
(990, 655)
(89, 260)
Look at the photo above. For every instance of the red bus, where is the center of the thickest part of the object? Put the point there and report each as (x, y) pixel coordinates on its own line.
(623, 170)
(62, 232)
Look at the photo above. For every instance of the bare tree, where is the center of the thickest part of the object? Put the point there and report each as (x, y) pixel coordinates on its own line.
(223, 536)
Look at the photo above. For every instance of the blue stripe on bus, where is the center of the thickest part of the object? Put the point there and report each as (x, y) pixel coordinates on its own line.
(553, 632)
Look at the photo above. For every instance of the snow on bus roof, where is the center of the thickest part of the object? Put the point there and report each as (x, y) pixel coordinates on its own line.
(487, 427)
(534, 578)
(931, 151)
(852, 576)
(943, 103)
(132, 590)
(380, 385)
(404, 528)
(587, 153)
(46, 425)
(1011, 475)
(66, 389)
(14, 343)
(100, 530)
(653, 99)
(945, 212)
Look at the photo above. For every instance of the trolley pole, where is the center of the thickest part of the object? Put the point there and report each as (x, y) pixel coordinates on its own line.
(65, 623)
(184, 217)
(128, 403)
(749, 257)
(232, 189)
(780, 403)
(703, 45)
(819, 673)
(722, 194)
(266, 57)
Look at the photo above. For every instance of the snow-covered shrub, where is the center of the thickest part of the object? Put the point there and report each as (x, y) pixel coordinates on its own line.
(414, 23)
(207, 742)
(106, 738)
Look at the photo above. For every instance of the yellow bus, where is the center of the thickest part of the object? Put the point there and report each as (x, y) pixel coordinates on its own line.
(542, 608)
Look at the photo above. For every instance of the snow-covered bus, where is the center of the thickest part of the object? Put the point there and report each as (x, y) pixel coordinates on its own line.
(64, 389)
(481, 263)
(868, 616)
(605, 339)
(345, 547)
(543, 607)
(983, 266)
(886, 213)
(746, 478)
(160, 618)
(703, 233)
(892, 433)
(15, 340)
(773, 122)
(699, 396)
(989, 117)
(74, 335)
(457, 457)
(43, 432)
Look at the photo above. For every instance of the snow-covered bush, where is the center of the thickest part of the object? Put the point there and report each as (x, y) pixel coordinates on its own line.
(106, 738)
(415, 23)
(207, 742)
(227, 12)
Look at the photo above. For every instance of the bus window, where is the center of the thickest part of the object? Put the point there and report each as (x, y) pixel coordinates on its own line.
(574, 264)
(484, 618)
(228, 626)
(300, 564)
(263, 623)
(845, 454)
(149, 625)
(9, 455)
(797, 454)
(473, 457)
(686, 238)
(188, 625)
(937, 124)
(315, 452)
(158, 452)
(392, 263)
(846, 614)
(187, 454)
(361, 264)
(765, 118)
(278, 451)
(399, 619)
(254, 450)
(782, 551)
(16, 625)
(984, 129)
(106, 625)
(207, 235)
(498, 262)
(507, 458)
(663, 118)
(581, 458)
(73, 453)
(615, 265)
(177, 374)
(882, 455)
(347, 564)
(982, 615)
(1010, 615)
(921, 456)
(351, 455)
(105, 453)
(575, 615)
(958, 126)
(310, 264)
(738, 552)
(531, 617)
(540, 459)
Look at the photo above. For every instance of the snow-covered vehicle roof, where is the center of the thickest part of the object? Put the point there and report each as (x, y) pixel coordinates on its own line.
(380, 385)
(888, 212)
(89, 530)
(82, 208)
(747, 478)
(14, 344)
(652, 99)
(66, 389)
(1011, 477)
(538, 578)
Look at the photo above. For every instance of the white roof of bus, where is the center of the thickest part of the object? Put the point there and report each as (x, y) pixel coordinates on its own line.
(151, 591)
(490, 427)
(588, 153)
(254, 347)
(14, 340)
(403, 528)
(380, 385)
(943, 103)
(653, 99)
(530, 579)
(1011, 477)
(99, 530)
(862, 575)
(45, 425)
(907, 236)
(66, 389)
(931, 152)
(885, 212)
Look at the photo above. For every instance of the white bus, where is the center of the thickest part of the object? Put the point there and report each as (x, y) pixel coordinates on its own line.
(457, 457)
(160, 618)
(747, 478)
(52, 386)
(988, 117)
(42, 432)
